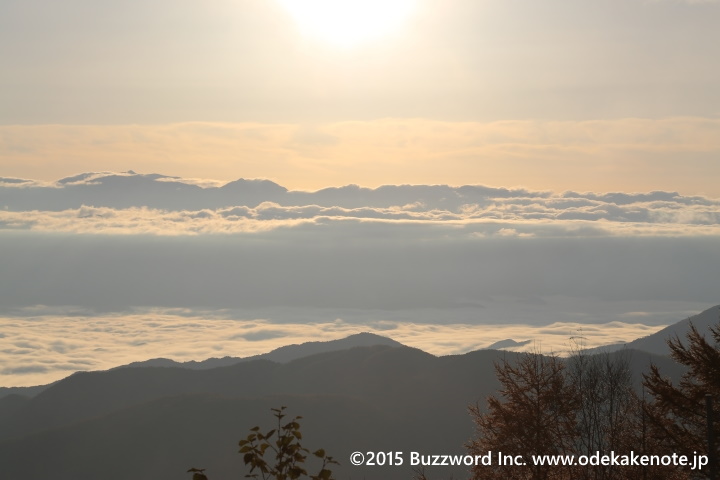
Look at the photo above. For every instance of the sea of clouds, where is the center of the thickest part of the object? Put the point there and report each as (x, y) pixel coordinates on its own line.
(36, 350)
(103, 269)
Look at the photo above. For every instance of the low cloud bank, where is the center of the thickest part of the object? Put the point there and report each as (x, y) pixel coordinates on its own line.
(131, 203)
(31, 351)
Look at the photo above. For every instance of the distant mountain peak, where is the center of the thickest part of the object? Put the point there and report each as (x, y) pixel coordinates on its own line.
(255, 185)
(507, 343)
(657, 342)
(101, 177)
(371, 337)
(289, 353)
(283, 354)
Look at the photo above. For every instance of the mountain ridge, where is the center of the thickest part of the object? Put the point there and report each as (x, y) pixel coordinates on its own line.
(383, 397)
(148, 423)
(152, 190)
(654, 344)
(284, 354)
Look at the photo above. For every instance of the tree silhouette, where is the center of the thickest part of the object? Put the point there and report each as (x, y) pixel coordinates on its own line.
(676, 413)
(577, 406)
(535, 414)
(607, 409)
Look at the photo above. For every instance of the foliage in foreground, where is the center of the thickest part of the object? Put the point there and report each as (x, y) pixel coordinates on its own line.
(677, 415)
(286, 455)
(574, 407)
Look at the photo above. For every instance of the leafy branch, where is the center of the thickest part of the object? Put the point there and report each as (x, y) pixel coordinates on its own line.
(282, 443)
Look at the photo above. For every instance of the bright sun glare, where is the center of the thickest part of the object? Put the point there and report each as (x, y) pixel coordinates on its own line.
(348, 23)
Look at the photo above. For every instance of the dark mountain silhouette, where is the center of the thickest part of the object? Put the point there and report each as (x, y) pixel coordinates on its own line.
(657, 342)
(281, 355)
(507, 343)
(10, 405)
(155, 422)
(152, 422)
(370, 372)
(163, 438)
(365, 398)
(22, 391)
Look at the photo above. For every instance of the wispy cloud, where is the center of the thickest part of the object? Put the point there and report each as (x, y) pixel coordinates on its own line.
(532, 214)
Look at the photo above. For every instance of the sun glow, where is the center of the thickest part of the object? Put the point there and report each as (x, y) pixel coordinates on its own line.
(348, 23)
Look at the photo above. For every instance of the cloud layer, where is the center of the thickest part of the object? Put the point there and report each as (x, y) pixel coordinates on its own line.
(132, 203)
(38, 350)
(165, 266)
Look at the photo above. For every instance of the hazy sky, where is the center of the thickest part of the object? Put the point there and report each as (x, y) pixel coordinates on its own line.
(602, 117)
(561, 94)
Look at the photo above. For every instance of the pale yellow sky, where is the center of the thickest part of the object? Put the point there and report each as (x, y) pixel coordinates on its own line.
(675, 154)
(559, 94)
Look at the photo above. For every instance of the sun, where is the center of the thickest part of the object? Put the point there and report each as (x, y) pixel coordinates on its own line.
(347, 23)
